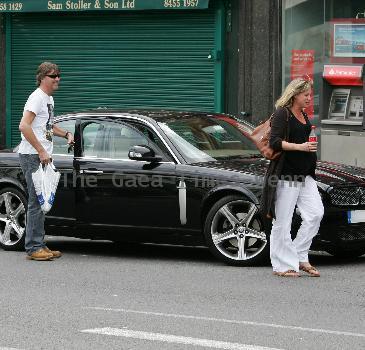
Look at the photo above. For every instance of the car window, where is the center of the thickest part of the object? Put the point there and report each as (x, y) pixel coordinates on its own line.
(205, 139)
(89, 139)
(60, 145)
(103, 139)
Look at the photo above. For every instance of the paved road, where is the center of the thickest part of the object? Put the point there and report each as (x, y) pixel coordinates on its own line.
(100, 296)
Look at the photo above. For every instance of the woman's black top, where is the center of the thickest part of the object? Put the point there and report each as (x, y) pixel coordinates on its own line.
(296, 163)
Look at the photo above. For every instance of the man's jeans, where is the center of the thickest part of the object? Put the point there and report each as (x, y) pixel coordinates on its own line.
(34, 231)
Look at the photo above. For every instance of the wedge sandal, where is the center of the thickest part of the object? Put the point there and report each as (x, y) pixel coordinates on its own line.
(310, 270)
(289, 273)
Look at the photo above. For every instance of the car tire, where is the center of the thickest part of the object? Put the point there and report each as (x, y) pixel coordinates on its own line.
(234, 232)
(346, 253)
(13, 206)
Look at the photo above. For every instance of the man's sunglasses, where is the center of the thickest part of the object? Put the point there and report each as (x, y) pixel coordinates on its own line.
(54, 76)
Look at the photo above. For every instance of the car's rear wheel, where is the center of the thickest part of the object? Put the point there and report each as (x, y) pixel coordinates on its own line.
(13, 206)
(235, 233)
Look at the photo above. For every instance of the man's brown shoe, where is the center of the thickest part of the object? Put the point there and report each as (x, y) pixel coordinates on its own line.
(55, 253)
(40, 255)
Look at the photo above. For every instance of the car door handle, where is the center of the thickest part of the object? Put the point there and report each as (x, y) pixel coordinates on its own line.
(91, 171)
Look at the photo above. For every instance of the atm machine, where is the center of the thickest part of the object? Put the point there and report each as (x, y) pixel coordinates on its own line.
(342, 114)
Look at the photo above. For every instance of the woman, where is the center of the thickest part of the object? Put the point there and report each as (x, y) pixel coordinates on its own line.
(290, 183)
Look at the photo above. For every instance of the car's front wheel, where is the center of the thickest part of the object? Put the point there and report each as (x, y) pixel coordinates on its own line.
(12, 218)
(235, 233)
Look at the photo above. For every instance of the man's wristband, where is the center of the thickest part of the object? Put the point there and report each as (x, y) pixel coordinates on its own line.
(66, 135)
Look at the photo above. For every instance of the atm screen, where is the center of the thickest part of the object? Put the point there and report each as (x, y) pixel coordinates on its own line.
(339, 105)
(339, 102)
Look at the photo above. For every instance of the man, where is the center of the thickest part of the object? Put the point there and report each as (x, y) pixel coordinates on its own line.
(36, 147)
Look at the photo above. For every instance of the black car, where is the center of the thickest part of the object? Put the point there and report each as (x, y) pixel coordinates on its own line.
(173, 177)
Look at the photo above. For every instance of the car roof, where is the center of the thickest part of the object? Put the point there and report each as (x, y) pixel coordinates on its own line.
(158, 115)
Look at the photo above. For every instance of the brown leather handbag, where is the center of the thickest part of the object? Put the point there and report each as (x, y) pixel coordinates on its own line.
(261, 138)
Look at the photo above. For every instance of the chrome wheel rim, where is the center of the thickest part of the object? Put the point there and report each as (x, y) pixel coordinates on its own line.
(12, 219)
(236, 231)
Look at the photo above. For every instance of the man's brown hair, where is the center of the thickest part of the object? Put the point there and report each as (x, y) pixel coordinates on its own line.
(44, 69)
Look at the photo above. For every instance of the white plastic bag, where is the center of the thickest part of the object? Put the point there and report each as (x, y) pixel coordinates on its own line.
(45, 184)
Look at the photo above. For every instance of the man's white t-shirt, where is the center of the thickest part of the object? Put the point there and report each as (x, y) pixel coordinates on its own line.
(42, 106)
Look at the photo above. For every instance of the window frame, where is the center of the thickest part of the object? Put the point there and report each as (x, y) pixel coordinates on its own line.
(84, 121)
(57, 122)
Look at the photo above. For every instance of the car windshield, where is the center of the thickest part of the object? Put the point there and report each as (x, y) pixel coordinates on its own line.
(205, 139)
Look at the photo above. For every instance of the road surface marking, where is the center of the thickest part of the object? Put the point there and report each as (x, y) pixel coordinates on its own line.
(169, 338)
(249, 323)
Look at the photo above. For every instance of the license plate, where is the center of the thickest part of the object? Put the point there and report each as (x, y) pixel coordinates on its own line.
(355, 216)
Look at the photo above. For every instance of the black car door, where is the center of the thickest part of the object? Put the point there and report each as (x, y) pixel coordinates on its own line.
(62, 215)
(115, 192)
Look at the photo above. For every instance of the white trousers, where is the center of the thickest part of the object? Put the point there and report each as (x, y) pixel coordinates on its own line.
(285, 253)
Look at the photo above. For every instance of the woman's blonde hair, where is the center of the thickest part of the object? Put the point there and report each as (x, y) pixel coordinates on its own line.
(295, 87)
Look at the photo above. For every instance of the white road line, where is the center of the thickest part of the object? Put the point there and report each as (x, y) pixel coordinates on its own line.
(8, 348)
(249, 323)
(169, 338)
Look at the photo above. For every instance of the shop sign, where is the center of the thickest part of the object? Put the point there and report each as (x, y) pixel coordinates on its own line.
(99, 5)
(302, 66)
(343, 75)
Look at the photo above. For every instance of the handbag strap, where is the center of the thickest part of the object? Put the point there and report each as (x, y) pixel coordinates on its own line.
(286, 135)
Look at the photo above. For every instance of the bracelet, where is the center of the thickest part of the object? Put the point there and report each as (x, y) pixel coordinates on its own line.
(66, 135)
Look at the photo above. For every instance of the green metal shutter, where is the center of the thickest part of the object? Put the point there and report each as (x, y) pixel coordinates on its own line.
(141, 59)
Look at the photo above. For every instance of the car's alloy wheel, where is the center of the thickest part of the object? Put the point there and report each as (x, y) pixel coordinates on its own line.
(234, 232)
(12, 219)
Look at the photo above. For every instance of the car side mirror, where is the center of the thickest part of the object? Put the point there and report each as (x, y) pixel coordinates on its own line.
(143, 153)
